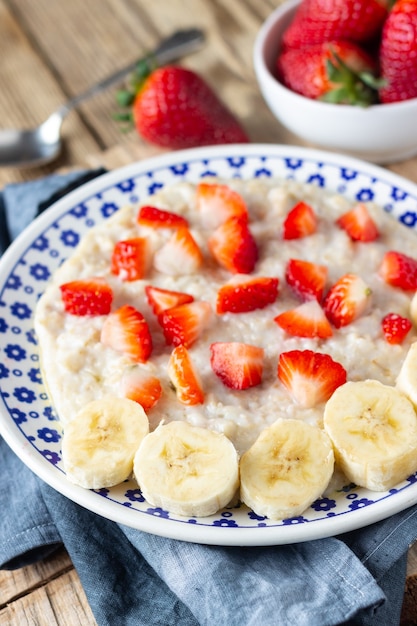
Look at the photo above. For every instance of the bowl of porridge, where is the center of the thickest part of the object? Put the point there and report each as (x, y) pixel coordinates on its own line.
(76, 240)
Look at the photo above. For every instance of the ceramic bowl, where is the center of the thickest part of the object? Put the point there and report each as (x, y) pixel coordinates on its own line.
(381, 133)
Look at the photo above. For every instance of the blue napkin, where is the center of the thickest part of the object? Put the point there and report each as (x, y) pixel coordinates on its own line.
(133, 578)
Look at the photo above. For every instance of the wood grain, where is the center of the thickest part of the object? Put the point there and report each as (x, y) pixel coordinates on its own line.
(51, 51)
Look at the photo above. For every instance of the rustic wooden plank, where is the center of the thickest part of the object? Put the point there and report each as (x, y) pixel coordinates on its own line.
(29, 93)
(409, 609)
(19, 582)
(59, 602)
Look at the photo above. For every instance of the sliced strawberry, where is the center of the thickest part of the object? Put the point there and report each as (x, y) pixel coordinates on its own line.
(399, 270)
(241, 297)
(216, 203)
(87, 296)
(395, 328)
(141, 386)
(238, 365)
(179, 255)
(347, 299)
(184, 377)
(234, 247)
(306, 279)
(183, 324)
(359, 224)
(306, 320)
(163, 299)
(130, 259)
(126, 331)
(301, 221)
(310, 377)
(159, 218)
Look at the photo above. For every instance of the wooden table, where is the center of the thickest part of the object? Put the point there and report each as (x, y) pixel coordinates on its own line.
(50, 51)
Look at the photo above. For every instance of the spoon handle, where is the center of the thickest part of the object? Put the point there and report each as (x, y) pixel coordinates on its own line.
(180, 43)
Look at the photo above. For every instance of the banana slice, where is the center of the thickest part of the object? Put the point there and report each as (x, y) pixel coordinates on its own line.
(374, 432)
(286, 469)
(187, 470)
(100, 442)
(407, 378)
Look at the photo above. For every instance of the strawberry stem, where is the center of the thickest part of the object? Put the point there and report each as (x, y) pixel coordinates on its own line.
(126, 96)
(355, 88)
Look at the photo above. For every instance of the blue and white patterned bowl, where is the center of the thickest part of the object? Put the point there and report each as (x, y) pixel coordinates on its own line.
(27, 419)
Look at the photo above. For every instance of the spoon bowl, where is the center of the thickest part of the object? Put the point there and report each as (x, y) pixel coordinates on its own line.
(34, 147)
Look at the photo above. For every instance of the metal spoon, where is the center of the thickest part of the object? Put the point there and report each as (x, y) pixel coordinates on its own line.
(28, 148)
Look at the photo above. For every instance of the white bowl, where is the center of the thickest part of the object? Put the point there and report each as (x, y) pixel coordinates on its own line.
(381, 133)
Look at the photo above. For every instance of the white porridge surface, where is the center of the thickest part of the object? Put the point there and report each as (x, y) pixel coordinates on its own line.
(78, 368)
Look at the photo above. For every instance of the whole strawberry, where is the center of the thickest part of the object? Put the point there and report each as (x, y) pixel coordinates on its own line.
(398, 53)
(175, 108)
(317, 21)
(338, 71)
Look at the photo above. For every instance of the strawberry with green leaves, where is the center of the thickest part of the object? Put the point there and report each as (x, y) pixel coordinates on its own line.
(398, 53)
(335, 71)
(175, 108)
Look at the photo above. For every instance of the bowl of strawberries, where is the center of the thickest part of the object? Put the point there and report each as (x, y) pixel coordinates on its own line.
(342, 74)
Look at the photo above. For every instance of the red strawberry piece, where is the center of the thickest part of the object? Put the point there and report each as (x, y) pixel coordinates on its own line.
(395, 328)
(335, 71)
(179, 255)
(241, 297)
(300, 221)
(141, 386)
(87, 296)
(130, 259)
(183, 324)
(234, 247)
(306, 320)
(310, 377)
(238, 365)
(399, 270)
(158, 218)
(317, 21)
(175, 108)
(346, 300)
(184, 377)
(306, 279)
(398, 53)
(216, 203)
(126, 331)
(163, 299)
(359, 224)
